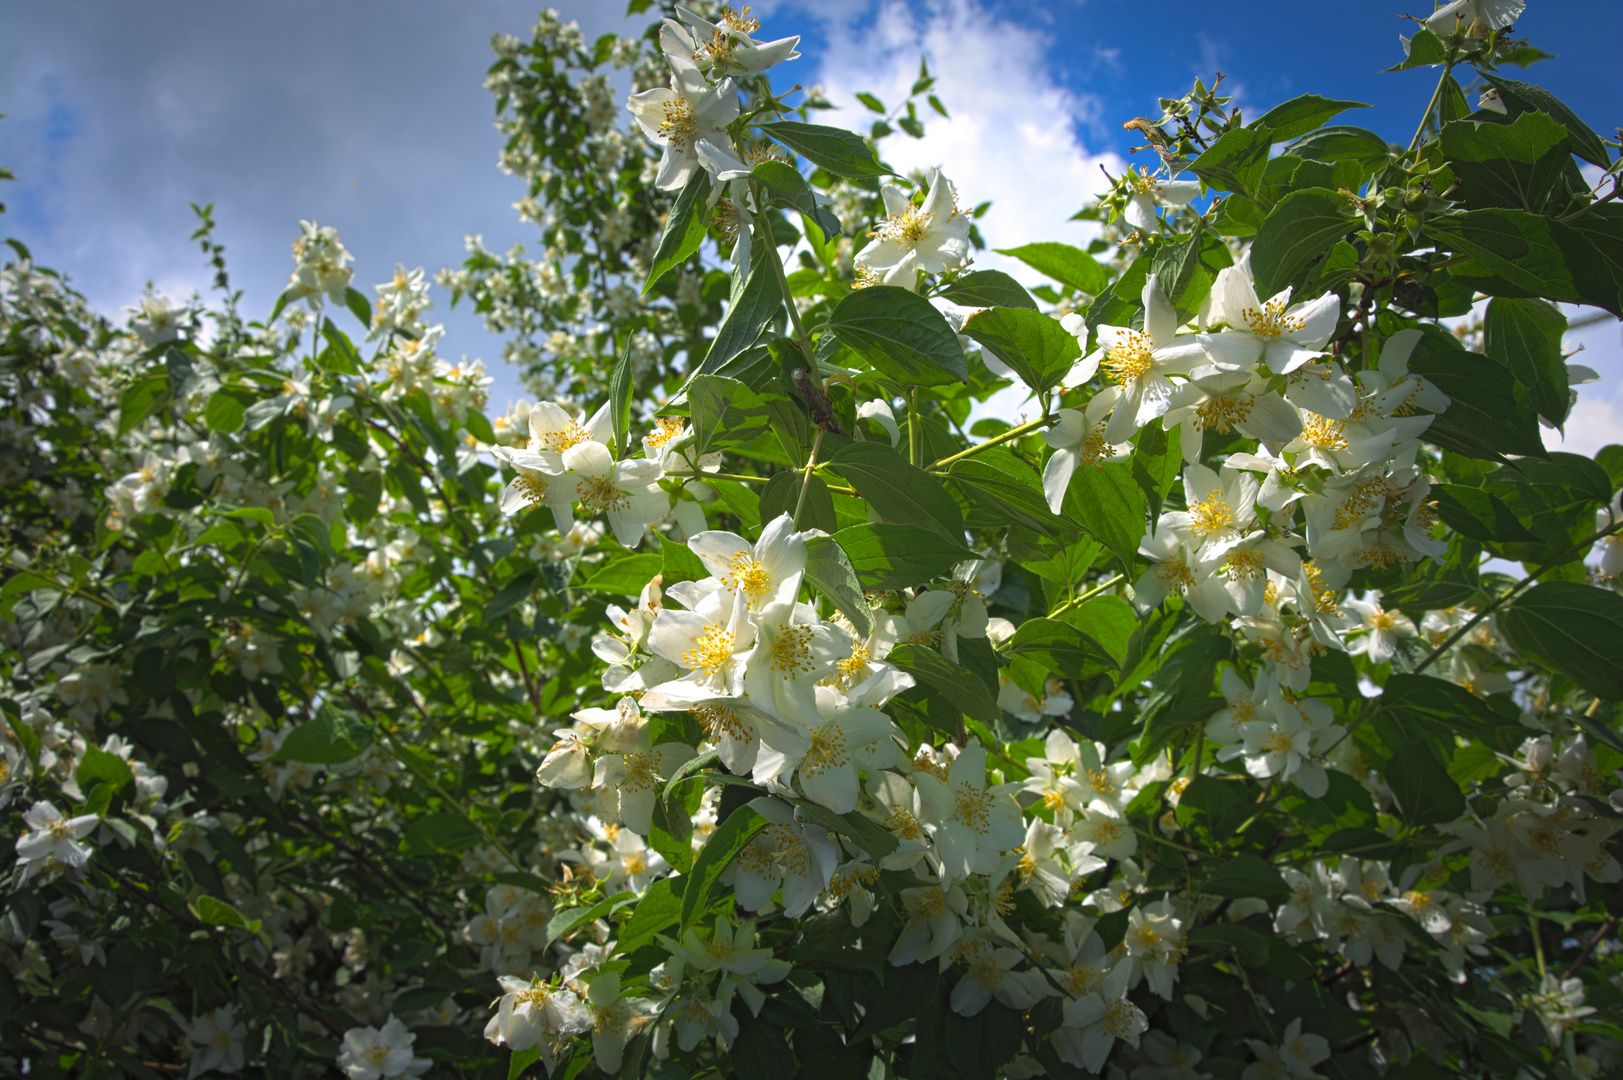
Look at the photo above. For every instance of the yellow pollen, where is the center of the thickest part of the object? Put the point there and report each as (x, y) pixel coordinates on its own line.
(635, 863)
(1176, 573)
(1322, 433)
(1500, 863)
(1363, 499)
(851, 669)
(1148, 937)
(906, 228)
(599, 493)
(901, 823)
(571, 435)
(1220, 413)
(925, 905)
(924, 637)
(1130, 357)
(1094, 449)
(1323, 599)
(1102, 782)
(748, 577)
(1245, 565)
(1054, 800)
(1117, 1021)
(641, 772)
(1271, 322)
(791, 651)
(1210, 515)
(668, 428)
(973, 808)
(721, 720)
(712, 652)
(827, 751)
(1107, 831)
(1380, 620)
(1076, 978)
(1420, 901)
(1277, 743)
(679, 127)
(926, 763)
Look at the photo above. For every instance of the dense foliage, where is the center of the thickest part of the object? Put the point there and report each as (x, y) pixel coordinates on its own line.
(754, 703)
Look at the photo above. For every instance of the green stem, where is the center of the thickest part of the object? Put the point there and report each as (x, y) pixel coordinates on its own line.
(996, 440)
(913, 454)
(1491, 607)
(1436, 96)
(805, 483)
(764, 231)
(1089, 595)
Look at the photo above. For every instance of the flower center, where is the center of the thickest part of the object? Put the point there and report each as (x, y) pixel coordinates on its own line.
(668, 428)
(901, 823)
(641, 772)
(748, 577)
(1117, 1022)
(1245, 564)
(1363, 499)
(1322, 433)
(973, 809)
(561, 439)
(599, 493)
(906, 228)
(791, 651)
(1220, 413)
(1130, 357)
(851, 669)
(533, 486)
(1271, 322)
(1176, 573)
(1277, 743)
(720, 720)
(679, 126)
(1210, 515)
(827, 751)
(711, 652)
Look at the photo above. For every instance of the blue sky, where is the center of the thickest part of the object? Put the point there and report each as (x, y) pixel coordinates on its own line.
(372, 118)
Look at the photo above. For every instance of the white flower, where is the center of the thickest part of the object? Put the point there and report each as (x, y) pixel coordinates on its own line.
(216, 1041)
(627, 492)
(320, 264)
(1154, 946)
(1558, 1002)
(1283, 335)
(155, 320)
(690, 121)
(1217, 399)
(713, 644)
(52, 839)
(723, 47)
(766, 572)
(971, 823)
(371, 1053)
(933, 237)
(1475, 17)
(613, 1020)
(1095, 1020)
(1140, 360)
(990, 975)
(800, 857)
(828, 759)
(1151, 191)
(931, 927)
(1381, 629)
(1079, 437)
(532, 1013)
(794, 651)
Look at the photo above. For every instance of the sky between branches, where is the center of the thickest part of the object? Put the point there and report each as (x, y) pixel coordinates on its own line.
(120, 114)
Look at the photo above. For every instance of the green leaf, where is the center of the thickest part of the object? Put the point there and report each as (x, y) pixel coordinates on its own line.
(1109, 503)
(759, 1050)
(1525, 335)
(888, 557)
(873, 103)
(1367, 150)
(1007, 491)
(830, 572)
(1421, 786)
(1424, 705)
(520, 1060)
(340, 354)
(1518, 164)
(901, 334)
(835, 149)
(1070, 266)
(140, 400)
(440, 832)
(1035, 345)
(868, 834)
(1300, 115)
(1246, 875)
(684, 229)
(1250, 946)
(1235, 162)
(729, 838)
(1426, 49)
(1573, 629)
(659, 909)
(627, 576)
(898, 491)
(1061, 648)
(786, 187)
(219, 913)
(1479, 515)
(567, 921)
(1299, 230)
(1062, 559)
(679, 563)
(781, 495)
(97, 766)
(511, 595)
(1530, 255)
(224, 412)
(755, 305)
(1489, 414)
(958, 687)
(1520, 96)
(1187, 267)
(317, 743)
(724, 412)
(358, 306)
(620, 401)
(987, 288)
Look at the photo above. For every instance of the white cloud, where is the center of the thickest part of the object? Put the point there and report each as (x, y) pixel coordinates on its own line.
(1594, 422)
(1012, 135)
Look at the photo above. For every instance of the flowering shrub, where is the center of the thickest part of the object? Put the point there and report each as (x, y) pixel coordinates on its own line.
(753, 702)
